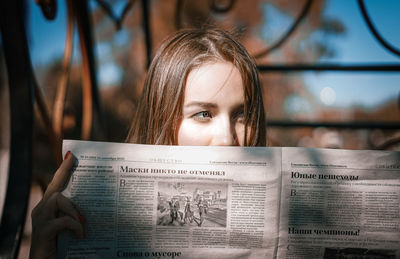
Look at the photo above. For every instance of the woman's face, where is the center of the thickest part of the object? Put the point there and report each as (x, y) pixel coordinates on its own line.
(213, 107)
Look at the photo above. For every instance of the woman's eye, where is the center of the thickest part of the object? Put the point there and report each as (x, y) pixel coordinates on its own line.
(240, 117)
(202, 116)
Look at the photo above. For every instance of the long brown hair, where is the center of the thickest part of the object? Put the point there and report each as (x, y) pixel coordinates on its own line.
(160, 108)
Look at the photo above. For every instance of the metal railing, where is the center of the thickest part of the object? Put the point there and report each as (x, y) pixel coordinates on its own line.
(24, 92)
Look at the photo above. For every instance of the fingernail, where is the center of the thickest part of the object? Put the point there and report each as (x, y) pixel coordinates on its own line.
(67, 155)
(81, 218)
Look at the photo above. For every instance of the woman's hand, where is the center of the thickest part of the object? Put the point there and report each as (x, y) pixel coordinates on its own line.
(53, 214)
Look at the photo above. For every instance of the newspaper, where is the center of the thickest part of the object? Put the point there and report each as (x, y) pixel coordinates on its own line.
(146, 201)
(339, 204)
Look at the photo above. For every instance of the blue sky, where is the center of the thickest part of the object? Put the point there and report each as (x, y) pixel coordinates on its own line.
(357, 45)
(47, 42)
(46, 37)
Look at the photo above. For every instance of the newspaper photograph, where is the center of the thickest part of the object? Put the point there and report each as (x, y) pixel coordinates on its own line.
(146, 201)
(340, 204)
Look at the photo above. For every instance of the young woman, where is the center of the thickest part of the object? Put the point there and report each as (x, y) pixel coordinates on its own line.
(202, 88)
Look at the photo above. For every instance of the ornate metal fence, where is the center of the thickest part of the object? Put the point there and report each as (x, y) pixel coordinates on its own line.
(24, 92)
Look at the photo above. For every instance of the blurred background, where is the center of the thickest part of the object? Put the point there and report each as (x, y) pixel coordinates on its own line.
(329, 69)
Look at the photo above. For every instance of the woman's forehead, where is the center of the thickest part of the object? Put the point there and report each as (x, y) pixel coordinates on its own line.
(214, 80)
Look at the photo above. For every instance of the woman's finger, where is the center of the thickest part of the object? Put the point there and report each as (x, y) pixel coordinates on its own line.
(60, 177)
(65, 223)
(67, 207)
(52, 207)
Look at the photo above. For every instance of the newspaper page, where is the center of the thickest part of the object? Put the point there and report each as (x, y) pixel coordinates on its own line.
(146, 201)
(340, 204)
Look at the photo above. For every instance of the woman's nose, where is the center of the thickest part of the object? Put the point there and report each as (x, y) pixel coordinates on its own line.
(224, 133)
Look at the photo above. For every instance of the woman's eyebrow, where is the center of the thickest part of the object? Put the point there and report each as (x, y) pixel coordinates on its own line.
(201, 104)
